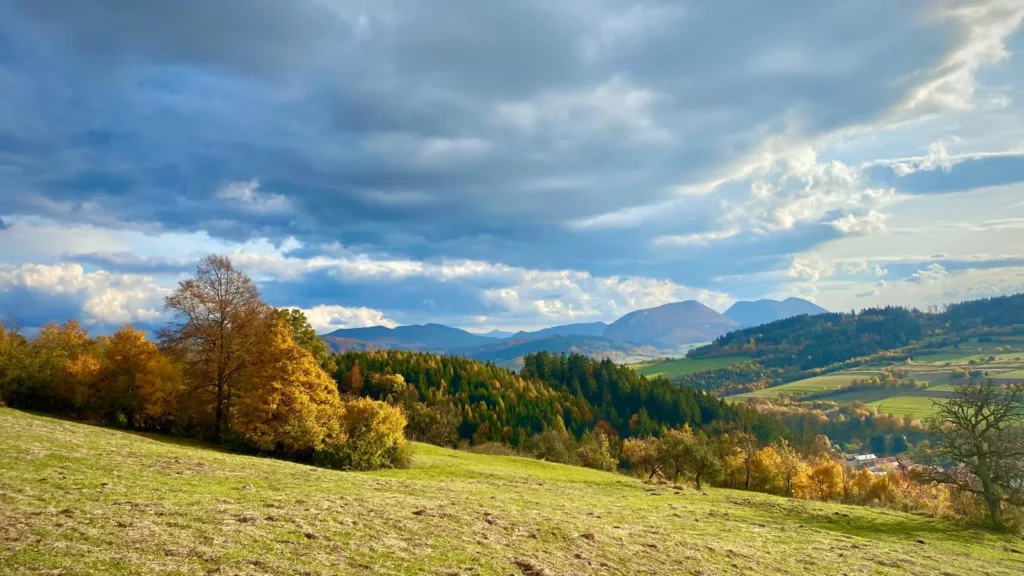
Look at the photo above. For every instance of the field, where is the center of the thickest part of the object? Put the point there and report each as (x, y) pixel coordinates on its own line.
(680, 366)
(917, 406)
(76, 499)
(810, 385)
(895, 401)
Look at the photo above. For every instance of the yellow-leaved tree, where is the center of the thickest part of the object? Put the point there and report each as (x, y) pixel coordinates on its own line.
(290, 405)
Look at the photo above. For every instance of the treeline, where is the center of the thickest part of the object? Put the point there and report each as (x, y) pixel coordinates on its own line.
(573, 392)
(227, 368)
(736, 379)
(805, 343)
(855, 428)
(733, 459)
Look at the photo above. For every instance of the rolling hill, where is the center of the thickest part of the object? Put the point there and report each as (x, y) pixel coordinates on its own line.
(509, 353)
(670, 325)
(757, 312)
(426, 337)
(579, 329)
(79, 499)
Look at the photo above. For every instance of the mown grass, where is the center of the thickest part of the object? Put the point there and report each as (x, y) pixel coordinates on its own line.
(680, 366)
(916, 406)
(76, 499)
(810, 385)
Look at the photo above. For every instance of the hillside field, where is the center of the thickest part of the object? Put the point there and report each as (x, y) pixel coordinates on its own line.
(676, 367)
(77, 499)
(809, 385)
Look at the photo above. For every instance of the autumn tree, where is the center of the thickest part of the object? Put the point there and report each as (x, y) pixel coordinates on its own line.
(766, 470)
(642, 455)
(218, 326)
(825, 479)
(791, 466)
(352, 382)
(290, 405)
(702, 462)
(305, 336)
(980, 431)
(673, 451)
(43, 381)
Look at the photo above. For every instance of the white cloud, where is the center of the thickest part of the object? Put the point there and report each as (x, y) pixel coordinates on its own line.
(932, 273)
(104, 297)
(248, 196)
(873, 221)
(985, 26)
(937, 157)
(326, 318)
(794, 188)
(696, 239)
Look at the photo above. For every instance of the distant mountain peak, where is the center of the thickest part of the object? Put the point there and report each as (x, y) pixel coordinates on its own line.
(670, 325)
(754, 313)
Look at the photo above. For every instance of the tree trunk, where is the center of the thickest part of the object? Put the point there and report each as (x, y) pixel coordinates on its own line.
(995, 512)
(697, 481)
(219, 410)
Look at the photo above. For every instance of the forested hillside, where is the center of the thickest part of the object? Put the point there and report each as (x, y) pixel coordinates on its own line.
(490, 403)
(810, 342)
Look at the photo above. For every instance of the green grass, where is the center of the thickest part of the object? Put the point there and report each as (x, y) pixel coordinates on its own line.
(809, 385)
(680, 366)
(916, 406)
(76, 499)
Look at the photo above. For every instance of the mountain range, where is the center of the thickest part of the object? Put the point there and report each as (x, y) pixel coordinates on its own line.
(645, 333)
(746, 313)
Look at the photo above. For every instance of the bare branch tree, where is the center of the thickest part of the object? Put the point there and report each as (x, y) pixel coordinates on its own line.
(218, 324)
(982, 437)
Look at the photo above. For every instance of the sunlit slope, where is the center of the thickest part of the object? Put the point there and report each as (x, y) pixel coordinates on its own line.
(76, 499)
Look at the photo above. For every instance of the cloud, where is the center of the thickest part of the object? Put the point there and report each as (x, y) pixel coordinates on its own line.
(248, 196)
(873, 221)
(930, 274)
(325, 319)
(937, 157)
(352, 154)
(97, 298)
(614, 108)
(696, 239)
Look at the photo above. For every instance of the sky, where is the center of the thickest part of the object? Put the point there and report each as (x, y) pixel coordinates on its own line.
(508, 165)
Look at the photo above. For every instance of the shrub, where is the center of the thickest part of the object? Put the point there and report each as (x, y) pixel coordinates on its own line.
(374, 438)
(494, 449)
(553, 446)
(642, 455)
(595, 451)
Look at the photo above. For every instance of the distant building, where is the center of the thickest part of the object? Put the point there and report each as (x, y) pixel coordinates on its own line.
(861, 460)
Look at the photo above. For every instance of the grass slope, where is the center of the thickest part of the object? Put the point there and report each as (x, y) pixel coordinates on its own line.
(76, 499)
(680, 366)
(816, 384)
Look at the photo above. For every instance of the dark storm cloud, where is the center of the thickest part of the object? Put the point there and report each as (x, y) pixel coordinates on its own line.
(467, 129)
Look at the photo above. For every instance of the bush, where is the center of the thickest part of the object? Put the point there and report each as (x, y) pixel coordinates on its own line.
(553, 446)
(373, 438)
(493, 449)
(596, 451)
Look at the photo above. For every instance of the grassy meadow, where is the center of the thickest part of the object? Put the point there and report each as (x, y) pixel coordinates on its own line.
(810, 385)
(77, 499)
(675, 367)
